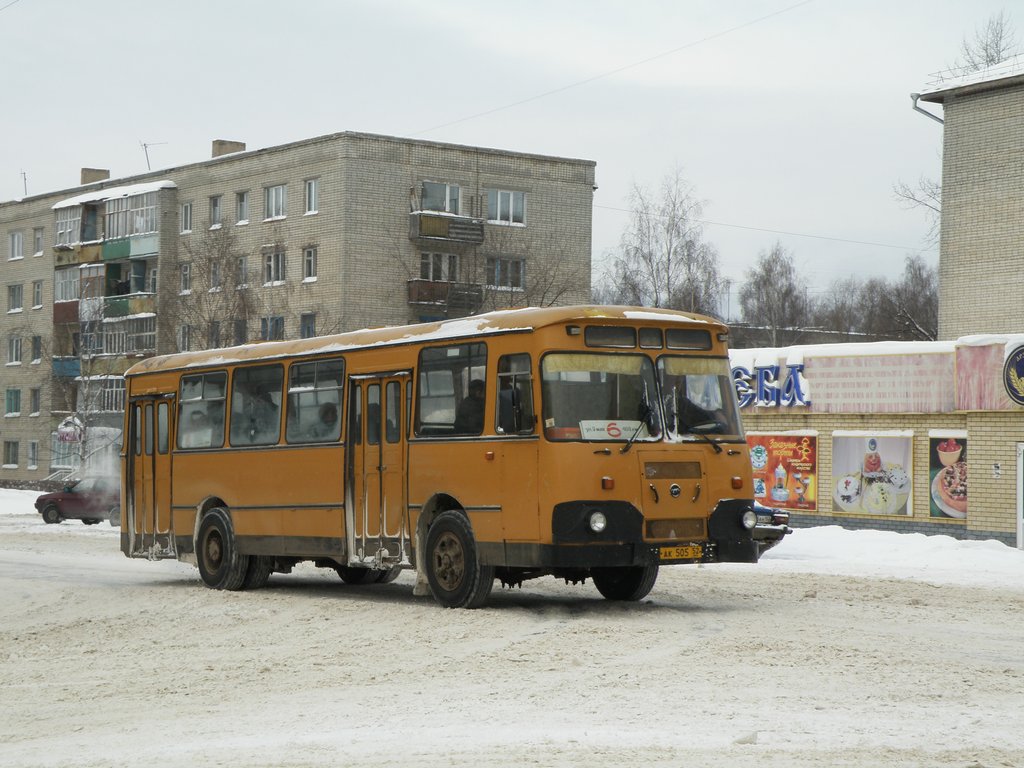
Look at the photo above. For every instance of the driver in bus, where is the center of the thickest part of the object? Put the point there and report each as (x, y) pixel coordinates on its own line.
(469, 419)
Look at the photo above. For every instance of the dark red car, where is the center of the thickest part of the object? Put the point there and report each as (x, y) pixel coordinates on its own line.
(90, 500)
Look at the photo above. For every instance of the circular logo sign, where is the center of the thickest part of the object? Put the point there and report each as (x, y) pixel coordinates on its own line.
(759, 457)
(1013, 375)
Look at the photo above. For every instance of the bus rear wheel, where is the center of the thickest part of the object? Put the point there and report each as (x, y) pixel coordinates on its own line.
(625, 583)
(220, 564)
(454, 572)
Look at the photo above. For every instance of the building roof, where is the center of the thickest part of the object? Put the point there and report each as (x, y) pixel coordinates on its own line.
(231, 156)
(500, 322)
(1005, 74)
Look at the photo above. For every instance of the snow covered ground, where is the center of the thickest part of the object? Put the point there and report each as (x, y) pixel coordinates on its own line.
(839, 648)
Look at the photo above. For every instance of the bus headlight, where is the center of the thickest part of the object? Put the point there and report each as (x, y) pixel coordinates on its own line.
(749, 519)
(598, 522)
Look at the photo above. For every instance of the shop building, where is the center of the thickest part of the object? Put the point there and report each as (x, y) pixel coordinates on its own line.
(923, 437)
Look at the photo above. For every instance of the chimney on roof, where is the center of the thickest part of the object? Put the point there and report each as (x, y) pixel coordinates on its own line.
(225, 147)
(90, 175)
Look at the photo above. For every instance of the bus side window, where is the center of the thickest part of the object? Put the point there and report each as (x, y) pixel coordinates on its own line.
(314, 401)
(452, 390)
(256, 405)
(355, 414)
(514, 414)
(393, 412)
(161, 427)
(201, 411)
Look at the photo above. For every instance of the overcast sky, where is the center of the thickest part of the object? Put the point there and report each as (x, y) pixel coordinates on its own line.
(792, 120)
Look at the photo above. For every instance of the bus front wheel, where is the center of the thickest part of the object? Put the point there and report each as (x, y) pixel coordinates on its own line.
(454, 572)
(625, 583)
(220, 563)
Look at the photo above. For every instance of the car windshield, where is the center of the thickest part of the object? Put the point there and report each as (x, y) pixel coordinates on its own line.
(698, 397)
(599, 397)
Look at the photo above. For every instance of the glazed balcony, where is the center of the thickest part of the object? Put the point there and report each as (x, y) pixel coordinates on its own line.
(434, 226)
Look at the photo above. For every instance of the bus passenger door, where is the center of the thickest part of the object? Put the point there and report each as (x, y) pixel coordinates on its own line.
(147, 517)
(377, 529)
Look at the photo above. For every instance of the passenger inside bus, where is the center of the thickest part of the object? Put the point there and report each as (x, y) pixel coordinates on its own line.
(327, 427)
(469, 419)
(196, 430)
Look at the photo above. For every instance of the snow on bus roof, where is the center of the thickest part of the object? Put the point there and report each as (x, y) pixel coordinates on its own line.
(498, 322)
(109, 193)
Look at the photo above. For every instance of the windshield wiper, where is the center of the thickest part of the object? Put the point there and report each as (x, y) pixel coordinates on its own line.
(645, 420)
(701, 431)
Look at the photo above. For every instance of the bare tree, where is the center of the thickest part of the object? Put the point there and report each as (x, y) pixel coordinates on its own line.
(916, 301)
(233, 292)
(927, 195)
(992, 43)
(838, 310)
(663, 260)
(774, 299)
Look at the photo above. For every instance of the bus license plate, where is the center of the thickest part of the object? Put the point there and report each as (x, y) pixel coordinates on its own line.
(688, 552)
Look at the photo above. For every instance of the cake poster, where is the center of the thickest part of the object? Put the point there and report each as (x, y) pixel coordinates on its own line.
(871, 474)
(947, 477)
(785, 470)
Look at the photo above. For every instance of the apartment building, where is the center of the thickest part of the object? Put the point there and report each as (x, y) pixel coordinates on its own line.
(318, 236)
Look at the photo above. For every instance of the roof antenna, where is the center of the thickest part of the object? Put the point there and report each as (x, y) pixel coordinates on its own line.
(145, 148)
(24, 182)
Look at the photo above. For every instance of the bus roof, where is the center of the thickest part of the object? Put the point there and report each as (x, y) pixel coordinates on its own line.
(502, 321)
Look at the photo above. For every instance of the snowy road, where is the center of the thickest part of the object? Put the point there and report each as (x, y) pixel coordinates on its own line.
(826, 653)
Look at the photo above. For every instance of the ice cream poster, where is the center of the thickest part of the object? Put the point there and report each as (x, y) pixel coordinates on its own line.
(947, 477)
(785, 470)
(871, 474)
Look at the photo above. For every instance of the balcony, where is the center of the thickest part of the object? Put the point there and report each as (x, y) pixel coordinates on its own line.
(433, 226)
(455, 299)
(129, 304)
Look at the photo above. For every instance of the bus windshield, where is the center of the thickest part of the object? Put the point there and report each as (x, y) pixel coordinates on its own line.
(599, 397)
(698, 397)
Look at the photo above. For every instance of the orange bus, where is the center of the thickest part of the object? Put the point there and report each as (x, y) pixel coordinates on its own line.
(579, 442)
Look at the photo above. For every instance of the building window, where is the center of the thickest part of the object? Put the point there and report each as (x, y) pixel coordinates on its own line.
(186, 278)
(506, 273)
(186, 217)
(17, 243)
(130, 335)
(271, 328)
(37, 348)
(307, 325)
(215, 275)
(151, 280)
(37, 294)
(10, 454)
(142, 217)
(213, 335)
(505, 207)
(438, 196)
(184, 338)
(69, 224)
(242, 207)
(13, 402)
(309, 263)
(439, 267)
(37, 241)
(275, 202)
(65, 285)
(215, 217)
(312, 195)
(33, 454)
(15, 298)
(34, 400)
(116, 218)
(242, 278)
(14, 349)
(241, 331)
(273, 268)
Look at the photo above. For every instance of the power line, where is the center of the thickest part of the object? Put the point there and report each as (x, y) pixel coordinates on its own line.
(611, 72)
(5, 7)
(787, 232)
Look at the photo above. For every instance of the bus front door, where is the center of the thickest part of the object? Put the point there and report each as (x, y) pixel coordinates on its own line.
(378, 531)
(146, 520)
